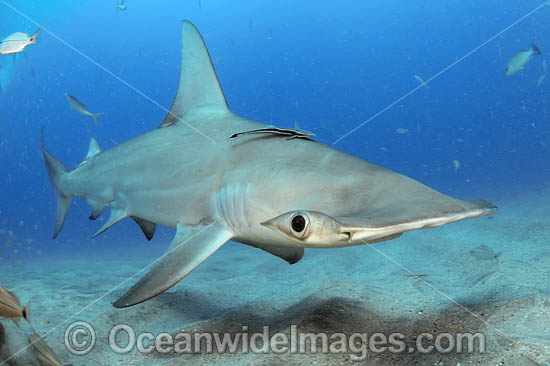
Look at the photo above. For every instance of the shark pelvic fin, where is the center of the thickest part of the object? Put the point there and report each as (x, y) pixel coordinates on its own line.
(147, 227)
(189, 248)
(58, 175)
(97, 207)
(95, 213)
(198, 88)
(116, 216)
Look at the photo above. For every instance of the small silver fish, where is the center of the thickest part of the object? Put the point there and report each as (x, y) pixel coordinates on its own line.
(10, 308)
(456, 164)
(421, 81)
(518, 61)
(485, 253)
(16, 42)
(42, 352)
(81, 108)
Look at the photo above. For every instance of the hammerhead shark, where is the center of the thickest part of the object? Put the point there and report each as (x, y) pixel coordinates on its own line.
(263, 189)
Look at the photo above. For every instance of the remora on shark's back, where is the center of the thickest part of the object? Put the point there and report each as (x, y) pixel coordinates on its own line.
(260, 189)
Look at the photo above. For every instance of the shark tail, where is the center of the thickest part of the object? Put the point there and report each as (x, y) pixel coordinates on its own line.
(94, 116)
(58, 177)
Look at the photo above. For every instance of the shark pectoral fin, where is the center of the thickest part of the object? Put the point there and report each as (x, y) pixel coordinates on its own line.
(147, 227)
(189, 248)
(198, 88)
(116, 216)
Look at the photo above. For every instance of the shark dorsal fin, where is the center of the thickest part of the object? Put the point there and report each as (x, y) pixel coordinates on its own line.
(198, 88)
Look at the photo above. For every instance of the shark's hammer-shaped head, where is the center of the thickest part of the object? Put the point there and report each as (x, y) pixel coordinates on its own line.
(314, 229)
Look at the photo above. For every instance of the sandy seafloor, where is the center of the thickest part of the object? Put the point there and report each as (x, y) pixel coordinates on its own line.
(361, 289)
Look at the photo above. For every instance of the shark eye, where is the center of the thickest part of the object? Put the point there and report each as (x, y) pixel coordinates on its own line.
(299, 224)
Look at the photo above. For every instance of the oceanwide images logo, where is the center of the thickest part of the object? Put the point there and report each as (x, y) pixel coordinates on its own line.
(80, 339)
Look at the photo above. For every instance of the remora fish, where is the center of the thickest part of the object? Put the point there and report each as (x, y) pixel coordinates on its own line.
(81, 108)
(518, 61)
(274, 194)
(16, 42)
(10, 308)
(292, 133)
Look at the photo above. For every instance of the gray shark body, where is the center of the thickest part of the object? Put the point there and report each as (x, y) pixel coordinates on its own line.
(263, 190)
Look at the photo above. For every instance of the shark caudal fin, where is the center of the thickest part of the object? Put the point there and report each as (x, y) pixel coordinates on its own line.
(57, 173)
(199, 90)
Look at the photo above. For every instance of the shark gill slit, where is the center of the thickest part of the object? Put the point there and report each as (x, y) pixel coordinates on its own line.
(231, 206)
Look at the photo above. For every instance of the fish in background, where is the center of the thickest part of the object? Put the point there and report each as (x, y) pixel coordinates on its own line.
(421, 81)
(16, 42)
(540, 80)
(456, 164)
(518, 61)
(10, 308)
(81, 108)
(42, 352)
(121, 6)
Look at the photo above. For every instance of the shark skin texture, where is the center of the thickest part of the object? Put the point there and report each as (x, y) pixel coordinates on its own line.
(266, 190)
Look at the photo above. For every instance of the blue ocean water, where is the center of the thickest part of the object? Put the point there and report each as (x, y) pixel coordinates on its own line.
(328, 66)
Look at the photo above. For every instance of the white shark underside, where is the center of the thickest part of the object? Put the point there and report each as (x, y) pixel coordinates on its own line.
(263, 190)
